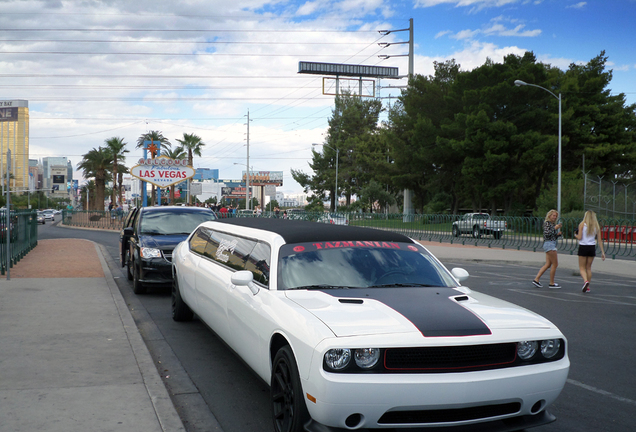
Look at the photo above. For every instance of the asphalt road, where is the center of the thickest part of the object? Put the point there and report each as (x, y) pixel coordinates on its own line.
(214, 391)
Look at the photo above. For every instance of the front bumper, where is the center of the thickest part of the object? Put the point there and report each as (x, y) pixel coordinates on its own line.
(513, 424)
(461, 400)
(155, 271)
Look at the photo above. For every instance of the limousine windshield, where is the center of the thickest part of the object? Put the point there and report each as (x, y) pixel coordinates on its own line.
(359, 265)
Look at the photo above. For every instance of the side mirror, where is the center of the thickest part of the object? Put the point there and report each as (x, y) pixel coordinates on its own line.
(128, 231)
(245, 278)
(460, 274)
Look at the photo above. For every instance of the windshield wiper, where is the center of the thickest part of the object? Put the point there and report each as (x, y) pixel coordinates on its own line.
(319, 287)
(400, 285)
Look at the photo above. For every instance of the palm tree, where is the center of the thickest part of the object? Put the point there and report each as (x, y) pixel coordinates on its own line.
(177, 153)
(117, 146)
(154, 136)
(97, 163)
(193, 144)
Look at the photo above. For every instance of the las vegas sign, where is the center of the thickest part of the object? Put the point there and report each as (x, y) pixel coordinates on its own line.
(162, 171)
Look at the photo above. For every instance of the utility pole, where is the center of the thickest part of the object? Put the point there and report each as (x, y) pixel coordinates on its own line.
(408, 194)
(7, 221)
(248, 204)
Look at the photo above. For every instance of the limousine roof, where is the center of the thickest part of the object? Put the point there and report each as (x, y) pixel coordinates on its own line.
(299, 231)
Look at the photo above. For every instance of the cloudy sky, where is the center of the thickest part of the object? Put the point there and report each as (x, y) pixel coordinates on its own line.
(92, 70)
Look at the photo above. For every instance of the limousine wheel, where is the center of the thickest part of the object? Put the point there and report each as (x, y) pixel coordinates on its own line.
(138, 288)
(180, 310)
(288, 403)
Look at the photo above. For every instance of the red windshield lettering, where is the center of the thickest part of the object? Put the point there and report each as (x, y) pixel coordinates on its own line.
(318, 245)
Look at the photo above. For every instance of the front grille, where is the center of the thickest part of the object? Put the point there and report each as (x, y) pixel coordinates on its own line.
(451, 358)
(449, 415)
(167, 254)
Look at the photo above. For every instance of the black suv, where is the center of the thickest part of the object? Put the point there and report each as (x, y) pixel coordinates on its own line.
(148, 238)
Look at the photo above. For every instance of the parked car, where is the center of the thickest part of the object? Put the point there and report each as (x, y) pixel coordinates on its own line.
(355, 329)
(479, 224)
(334, 219)
(148, 238)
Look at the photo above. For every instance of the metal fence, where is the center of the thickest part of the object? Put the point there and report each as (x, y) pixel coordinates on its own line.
(23, 229)
(610, 198)
(522, 233)
(109, 220)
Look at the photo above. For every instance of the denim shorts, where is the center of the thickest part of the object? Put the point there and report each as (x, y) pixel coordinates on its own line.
(549, 245)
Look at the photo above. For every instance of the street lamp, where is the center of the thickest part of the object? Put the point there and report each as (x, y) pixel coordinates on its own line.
(337, 155)
(520, 83)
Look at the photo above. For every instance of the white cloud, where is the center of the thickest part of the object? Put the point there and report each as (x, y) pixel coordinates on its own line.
(475, 4)
(579, 5)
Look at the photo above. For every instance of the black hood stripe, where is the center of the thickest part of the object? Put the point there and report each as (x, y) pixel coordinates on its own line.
(431, 310)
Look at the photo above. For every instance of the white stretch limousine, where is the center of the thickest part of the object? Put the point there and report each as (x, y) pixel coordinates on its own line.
(356, 329)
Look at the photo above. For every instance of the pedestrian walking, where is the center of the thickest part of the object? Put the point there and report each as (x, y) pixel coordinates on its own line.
(551, 234)
(588, 233)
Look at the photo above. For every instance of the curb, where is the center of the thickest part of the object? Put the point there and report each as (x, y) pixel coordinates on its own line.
(162, 404)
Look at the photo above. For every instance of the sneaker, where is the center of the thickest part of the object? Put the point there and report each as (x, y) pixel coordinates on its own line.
(586, 287)
(537, 283)
(554, 286)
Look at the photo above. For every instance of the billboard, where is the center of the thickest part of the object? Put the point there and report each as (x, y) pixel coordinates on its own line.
(339, 69)
(8, 114)
(57, 178)
(262, 178)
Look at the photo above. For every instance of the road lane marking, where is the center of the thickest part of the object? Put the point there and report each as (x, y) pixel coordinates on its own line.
(601, 392)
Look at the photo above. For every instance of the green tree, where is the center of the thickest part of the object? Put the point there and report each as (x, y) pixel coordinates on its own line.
(117, 147)
(351, 144)
(374, 193)
(193, 144)
(97, 164)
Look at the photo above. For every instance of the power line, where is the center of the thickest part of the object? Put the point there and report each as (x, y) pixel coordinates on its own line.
(112, 30)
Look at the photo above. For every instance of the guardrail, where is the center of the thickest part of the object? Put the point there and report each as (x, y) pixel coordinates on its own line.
(522, 233)
(23, 228)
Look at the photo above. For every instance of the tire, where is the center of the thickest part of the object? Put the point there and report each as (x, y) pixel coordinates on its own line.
(476, 232)
(180, 310)
(497, 234)
(289, 411)
(455, 231)
(138, 287)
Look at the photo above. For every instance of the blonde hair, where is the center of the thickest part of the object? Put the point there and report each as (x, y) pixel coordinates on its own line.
(550, 213)
(592, 223)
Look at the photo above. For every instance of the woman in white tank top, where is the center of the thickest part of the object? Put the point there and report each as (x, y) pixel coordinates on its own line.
(588, 233)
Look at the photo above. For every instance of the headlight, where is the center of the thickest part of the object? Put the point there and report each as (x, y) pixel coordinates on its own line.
(366, 358)
(550, 348)
(150, 253)
(338, 358)
(527, 349)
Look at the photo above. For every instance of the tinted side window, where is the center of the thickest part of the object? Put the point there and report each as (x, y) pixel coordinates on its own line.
(199, 241)
(259, 263)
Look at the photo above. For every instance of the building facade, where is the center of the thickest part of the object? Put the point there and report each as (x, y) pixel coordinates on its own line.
(14, 137)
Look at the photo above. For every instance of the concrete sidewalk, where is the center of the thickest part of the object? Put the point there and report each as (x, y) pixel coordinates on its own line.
(71, 356)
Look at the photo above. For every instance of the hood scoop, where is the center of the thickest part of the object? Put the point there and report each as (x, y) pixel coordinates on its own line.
(351, 301)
